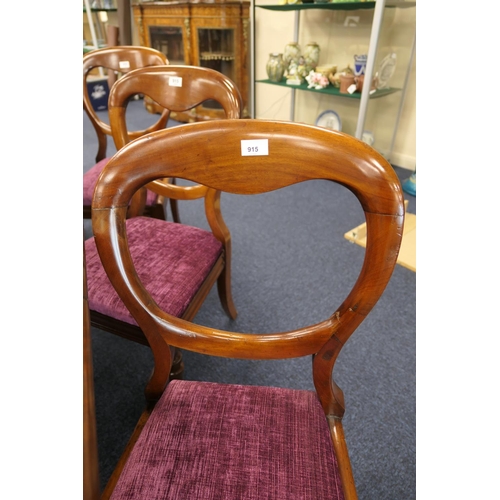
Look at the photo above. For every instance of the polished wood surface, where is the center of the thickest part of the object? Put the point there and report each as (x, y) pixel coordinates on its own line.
(189, 17)
(174, 89)
(115, 61)
(120, 59)
(91, 487)
(191, 85)
(210, 153)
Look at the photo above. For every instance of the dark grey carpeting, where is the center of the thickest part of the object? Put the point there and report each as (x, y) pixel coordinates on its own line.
(290, 265)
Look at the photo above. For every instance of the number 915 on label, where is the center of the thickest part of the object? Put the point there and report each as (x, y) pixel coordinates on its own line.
(257, 147)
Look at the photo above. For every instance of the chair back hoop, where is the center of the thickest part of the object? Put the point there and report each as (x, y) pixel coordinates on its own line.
(176, 88)
(121, 59)
(217, 155)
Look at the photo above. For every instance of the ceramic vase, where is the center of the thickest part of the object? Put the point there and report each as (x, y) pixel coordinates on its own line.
(291, 54)
(311, 56)
(275, 67)
(360, 64)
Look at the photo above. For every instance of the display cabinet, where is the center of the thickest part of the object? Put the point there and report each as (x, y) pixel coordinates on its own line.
(369, 27)
(210, 34)
(95, 24)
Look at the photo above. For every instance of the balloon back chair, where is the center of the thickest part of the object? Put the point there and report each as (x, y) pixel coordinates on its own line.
(178, 263)
(117, 60)
(205, 440)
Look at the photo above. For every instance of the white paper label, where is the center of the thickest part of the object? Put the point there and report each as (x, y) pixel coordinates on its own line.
(257, 147)
(175, 81)
(351, 89)
(124, 64)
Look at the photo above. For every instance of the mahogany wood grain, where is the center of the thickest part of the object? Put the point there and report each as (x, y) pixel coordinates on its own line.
(210, 154)
(91, 486)
(189, 18)
(120, 60)
(196, 85)
(193, 86)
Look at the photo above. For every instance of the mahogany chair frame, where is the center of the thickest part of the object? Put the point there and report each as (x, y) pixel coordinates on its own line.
(296, 153)
(91, 485)
(121, 60)
(198, 85)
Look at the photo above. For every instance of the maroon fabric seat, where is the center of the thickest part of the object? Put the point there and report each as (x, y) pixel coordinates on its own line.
(172, 260)
(207, 441)
(203, 441)
(90, 179)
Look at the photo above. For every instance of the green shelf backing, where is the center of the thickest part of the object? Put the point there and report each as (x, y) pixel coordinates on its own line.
(331, 90)
(337, 5)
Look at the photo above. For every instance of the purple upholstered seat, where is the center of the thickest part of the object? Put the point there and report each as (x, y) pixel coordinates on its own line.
(90, 179)
(207, 441)
(172, 259)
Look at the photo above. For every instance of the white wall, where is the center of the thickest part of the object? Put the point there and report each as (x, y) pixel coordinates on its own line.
(339, 41)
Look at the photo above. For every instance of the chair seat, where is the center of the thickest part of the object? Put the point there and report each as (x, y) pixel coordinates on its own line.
(172, 259)
(207, 441)
(90, 179)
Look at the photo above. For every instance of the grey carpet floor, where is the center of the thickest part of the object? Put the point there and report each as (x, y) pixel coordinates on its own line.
(290, 265)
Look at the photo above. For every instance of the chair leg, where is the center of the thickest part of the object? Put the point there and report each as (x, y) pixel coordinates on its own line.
(175, 210)
(174, 206)
(225, 293)
(345, 469)
(157, 211)
(177, 370)
(102, 146)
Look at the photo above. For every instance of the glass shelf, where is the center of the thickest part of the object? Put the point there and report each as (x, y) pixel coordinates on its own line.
(331, 90)
(111, 9)
(90, 48)
(337, 5)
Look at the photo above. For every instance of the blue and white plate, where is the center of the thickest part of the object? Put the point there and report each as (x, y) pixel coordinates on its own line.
(329, 119)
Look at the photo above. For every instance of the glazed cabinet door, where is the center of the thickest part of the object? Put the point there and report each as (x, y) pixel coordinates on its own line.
(165, 28)
(219, 32)
(170, 41)
(198, 33)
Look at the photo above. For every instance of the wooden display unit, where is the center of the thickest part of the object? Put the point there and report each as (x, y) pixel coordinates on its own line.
(211, 34)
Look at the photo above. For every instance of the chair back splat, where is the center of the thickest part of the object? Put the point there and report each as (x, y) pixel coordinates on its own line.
(246, 157)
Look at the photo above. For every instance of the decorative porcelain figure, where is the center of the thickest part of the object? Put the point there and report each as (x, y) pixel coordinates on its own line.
(316, 80)
(291, 55)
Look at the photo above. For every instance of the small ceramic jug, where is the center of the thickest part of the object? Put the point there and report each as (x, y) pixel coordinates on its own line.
(275, 67)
